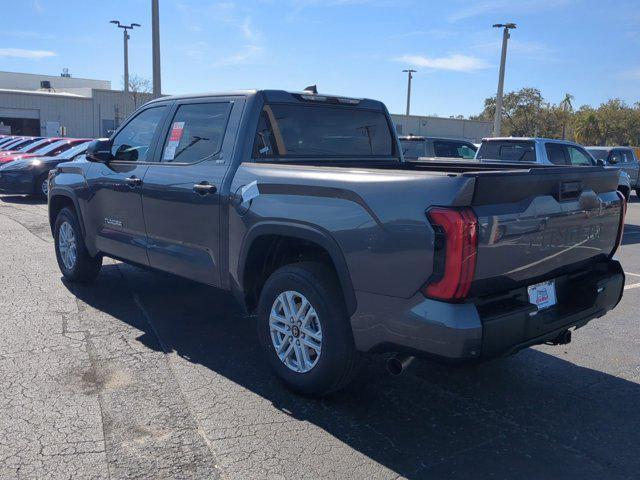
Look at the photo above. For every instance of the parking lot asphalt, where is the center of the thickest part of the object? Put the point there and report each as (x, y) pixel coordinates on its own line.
(145, 375)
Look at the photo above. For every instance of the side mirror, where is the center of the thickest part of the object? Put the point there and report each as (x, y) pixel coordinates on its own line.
(600, 162)
(99, 151)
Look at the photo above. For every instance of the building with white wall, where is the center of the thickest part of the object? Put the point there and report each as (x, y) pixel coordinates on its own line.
(470, 130)
(75, 107)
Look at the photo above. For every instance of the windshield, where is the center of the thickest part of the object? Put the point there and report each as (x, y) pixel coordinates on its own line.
(76, 149)
(507, 150)
(289, 130)
(598, 153)
(413, 148)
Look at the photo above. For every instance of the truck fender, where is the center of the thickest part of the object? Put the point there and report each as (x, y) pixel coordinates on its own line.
(310, 233)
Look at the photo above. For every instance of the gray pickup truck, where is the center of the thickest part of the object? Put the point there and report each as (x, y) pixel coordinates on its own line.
(303, 206)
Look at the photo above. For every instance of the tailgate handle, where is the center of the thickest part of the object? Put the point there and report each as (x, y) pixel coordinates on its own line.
(569, 190)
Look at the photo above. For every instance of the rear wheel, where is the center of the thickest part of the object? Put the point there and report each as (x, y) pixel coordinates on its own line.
(304, 329)
(41, 186)
(75, 262)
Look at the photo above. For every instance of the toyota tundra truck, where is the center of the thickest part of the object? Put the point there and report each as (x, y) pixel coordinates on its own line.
(303, 207)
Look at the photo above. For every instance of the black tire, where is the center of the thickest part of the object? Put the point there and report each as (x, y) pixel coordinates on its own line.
(337, 362)
(38, 191)
(86, 268)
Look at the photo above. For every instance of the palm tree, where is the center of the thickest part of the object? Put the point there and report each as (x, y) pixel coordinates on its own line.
(567, 107)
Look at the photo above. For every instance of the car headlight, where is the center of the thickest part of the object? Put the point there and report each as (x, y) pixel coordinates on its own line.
(21, 165)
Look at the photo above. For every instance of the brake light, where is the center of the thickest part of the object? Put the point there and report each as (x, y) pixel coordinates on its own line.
(623, 213)
(455, 253)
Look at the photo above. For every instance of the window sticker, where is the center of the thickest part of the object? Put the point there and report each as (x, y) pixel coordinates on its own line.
(174, 140)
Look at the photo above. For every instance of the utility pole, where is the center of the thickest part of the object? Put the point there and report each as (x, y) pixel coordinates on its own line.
(409, 73)
(497, 122)
(155, 40)
(125, 29)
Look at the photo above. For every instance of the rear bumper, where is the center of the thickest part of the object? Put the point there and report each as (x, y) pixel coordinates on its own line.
(488, 327)
(17, 182)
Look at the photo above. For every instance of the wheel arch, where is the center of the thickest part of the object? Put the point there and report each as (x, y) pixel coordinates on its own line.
(308, 235)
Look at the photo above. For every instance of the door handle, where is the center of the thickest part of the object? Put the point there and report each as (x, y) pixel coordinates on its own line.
(204, 188)
(133, 181)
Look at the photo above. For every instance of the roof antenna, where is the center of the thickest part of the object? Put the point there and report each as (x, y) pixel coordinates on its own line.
(312, 89)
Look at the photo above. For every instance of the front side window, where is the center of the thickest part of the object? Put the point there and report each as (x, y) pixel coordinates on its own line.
(289, 130)
(555, 153)
(615, 157)
(626, 156)
(131, 144)
(579, 157)
(196, 132)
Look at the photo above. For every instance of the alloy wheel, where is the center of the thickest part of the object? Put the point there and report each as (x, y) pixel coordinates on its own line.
(296, 332)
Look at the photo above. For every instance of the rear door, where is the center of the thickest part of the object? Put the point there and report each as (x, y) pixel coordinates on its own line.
(629, 165)
(115, 204)
(181, 194)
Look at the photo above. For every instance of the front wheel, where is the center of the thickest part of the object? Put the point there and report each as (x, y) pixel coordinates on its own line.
(41, 186)
(304, 329)
(74, 261)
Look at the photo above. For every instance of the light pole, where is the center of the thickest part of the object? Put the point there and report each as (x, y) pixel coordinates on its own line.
(503, 60)
(409, 73)
(126, 49)
(155, 40)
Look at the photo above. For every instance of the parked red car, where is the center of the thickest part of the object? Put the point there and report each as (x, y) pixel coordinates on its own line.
(48, 149)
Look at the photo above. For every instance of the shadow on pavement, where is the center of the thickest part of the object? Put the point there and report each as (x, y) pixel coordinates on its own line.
(631, 234)
(529, 416)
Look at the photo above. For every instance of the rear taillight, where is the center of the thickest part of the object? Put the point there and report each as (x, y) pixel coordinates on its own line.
(455, 246)
(623, 213)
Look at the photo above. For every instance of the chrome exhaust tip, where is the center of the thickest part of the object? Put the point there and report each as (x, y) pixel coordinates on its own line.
(397, 364)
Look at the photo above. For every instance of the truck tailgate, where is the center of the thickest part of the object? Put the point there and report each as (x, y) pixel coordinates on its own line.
(540, 223)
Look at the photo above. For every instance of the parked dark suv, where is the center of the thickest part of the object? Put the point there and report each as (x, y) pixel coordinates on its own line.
(623, 158)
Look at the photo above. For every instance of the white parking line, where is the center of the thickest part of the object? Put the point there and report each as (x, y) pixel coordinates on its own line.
(633, 274)
(633, 285)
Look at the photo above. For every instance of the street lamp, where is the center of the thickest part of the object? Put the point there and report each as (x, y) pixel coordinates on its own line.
(409, 73)
(126, 49)
(155, 40)
(503, 59)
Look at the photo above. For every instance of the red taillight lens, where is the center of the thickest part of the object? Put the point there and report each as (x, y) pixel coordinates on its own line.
(456, 251)
(623, 213)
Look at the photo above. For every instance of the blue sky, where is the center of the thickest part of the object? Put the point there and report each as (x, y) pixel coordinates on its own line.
(590, 48)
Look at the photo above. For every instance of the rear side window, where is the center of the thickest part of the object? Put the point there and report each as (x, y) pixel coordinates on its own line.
(627, 156)
(555, 153)
(509, 151)
(413, 148)
(288, 130)
(578, 157)
(453, 149)
(196, 132)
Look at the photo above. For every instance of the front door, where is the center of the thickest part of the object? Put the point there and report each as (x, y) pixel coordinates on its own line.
(115, 221)
(181, 192)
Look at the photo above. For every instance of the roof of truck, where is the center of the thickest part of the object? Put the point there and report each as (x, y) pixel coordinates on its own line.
(270, 94)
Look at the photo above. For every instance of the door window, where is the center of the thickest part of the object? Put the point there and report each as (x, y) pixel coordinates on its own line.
(615, 157)
(579, 157)
(196, 132)
(131, 144)
(626, 156)
(555, 153)
(452, 149)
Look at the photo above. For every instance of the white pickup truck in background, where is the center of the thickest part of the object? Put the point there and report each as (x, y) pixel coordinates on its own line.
(544, 151)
